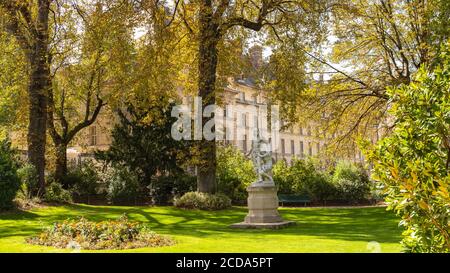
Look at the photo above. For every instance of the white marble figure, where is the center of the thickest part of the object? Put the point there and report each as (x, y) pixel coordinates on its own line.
(261, 154)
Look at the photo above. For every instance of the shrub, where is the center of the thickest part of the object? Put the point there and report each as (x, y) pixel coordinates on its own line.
(29, 180)
(234, 173)
(351, 181)
(203, 201)
(83, 179)
(9, 180)
(412, 164)
(55, 193)
(283, 178)
(377, 193)
(122, 184)
(306, 173)
(142, 142)
(166, 187)
(303, 177)
(319, 188)
(119, 234)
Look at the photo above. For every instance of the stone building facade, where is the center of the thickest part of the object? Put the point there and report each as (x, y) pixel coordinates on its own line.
(298, 141)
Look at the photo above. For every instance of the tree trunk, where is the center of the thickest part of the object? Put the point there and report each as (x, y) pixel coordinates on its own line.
(208, 39)
(61, 162)
(206, 174)
(37, 94)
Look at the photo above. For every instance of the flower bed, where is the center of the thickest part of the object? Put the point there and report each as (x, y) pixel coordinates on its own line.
(84, 234)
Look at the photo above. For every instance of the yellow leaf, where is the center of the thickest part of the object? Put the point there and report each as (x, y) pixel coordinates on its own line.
(414, 177)
(443, 190)
(394, 173)
(423, 205)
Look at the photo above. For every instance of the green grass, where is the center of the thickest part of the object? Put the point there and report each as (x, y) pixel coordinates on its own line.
(317, 229)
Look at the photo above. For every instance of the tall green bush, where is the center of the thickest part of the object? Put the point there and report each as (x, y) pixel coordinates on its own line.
(303, 177)
(29, 180)
(234, 173)
(351, 181)
(142, 143)
(164, 188)
(320, 188)
(84, 179)
(143, 153)
(283, 178)
(55, 193)
(348, 183)
(123, 184)
(9, 180)
(413, 163)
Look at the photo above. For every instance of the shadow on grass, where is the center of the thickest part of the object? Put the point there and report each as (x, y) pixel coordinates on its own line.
(350, 224)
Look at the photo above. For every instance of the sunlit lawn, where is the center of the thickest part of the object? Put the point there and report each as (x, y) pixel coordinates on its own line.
(317, 229)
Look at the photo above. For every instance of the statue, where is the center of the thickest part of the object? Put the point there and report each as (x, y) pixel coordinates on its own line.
(262, 199)
(261, 154)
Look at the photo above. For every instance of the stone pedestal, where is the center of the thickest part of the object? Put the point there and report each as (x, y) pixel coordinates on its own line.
(262, 208)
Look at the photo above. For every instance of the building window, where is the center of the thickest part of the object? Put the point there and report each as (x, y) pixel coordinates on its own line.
(309, 130)
(292, 147)
(93, 135)
(283, 150)
(310, 149)
(302, 152)
(242, 96)
(301, 130)
(244, 120)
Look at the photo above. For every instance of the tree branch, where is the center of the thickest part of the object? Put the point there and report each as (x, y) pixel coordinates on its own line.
(87, 122)
(51, 121)
(264, 11)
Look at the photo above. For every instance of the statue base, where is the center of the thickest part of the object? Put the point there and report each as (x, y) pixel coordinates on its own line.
(262, 208)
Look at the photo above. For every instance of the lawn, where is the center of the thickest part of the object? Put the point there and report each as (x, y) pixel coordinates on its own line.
(317, 229)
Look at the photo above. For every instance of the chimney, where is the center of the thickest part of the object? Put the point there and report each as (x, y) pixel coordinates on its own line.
(256, 56)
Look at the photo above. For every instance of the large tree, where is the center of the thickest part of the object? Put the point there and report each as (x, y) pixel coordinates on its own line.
(28, 22)
(91, 70)
(216, 20)
(372, 45)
